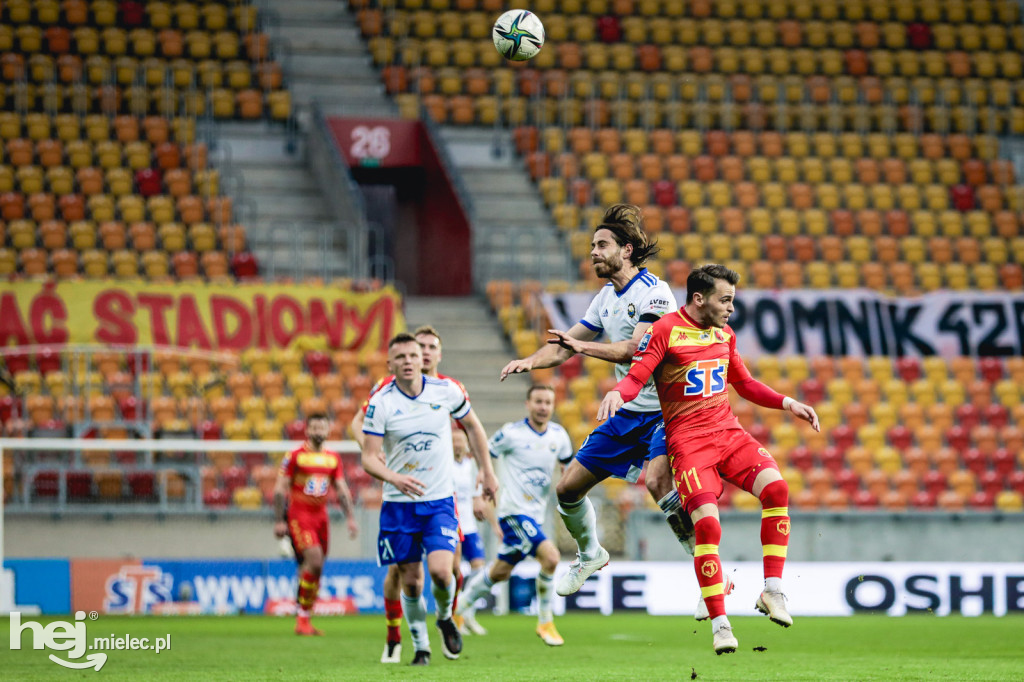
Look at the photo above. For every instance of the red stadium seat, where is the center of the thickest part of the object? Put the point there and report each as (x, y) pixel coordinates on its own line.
(216, 497)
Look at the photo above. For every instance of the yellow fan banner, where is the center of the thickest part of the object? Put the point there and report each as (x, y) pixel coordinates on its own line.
(197, 315)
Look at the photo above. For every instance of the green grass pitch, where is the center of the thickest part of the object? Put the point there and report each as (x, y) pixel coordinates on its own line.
(621, 647)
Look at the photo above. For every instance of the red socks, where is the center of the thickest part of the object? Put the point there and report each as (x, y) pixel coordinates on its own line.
(774, 527)
(309, 585)
(708, 565)
(393, 617)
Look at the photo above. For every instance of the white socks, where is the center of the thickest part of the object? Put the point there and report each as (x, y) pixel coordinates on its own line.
(478, 585)
(773, 584)
(444, 596)
(670, 504)
(416, 616)
(581, 521)
(544, 581)
(719, 622)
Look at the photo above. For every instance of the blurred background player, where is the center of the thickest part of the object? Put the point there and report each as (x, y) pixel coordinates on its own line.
(407, 444)
(300, 504)
(693, 358)
(430, 346)
(624, 309)
(471, 547)
(528, 450)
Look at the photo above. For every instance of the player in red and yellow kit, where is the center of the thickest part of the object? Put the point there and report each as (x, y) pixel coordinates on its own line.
(306, 475)
(692, 356)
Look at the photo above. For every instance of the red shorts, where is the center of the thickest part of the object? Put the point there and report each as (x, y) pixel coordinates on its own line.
(699, 463)
(308, 528)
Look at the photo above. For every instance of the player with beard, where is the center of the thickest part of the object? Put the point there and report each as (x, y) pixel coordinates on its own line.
(691, 355)
(300, 507)
(623, 310)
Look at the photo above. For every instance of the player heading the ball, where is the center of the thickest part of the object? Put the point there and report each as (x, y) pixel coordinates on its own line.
(691, 355)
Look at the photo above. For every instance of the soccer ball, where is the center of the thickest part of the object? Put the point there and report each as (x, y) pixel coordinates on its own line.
(518, 35)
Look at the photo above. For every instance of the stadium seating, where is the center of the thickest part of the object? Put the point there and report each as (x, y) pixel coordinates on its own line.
(241, 409)
(141, 58)
(74, 209)
(849, 148)
(908, 436)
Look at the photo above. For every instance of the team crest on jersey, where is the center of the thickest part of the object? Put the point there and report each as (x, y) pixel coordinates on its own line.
(705, 378)
(643, 342)
(631, 310)
(709, 568)
(783, 526)
(434, 407)
(719, 336)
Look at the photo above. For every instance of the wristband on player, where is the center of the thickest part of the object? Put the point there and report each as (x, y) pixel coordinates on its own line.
(787, 402)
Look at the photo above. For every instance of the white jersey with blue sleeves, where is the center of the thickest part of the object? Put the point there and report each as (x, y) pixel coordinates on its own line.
(465, 491)
(616, 313)
(417, 434)
(527, 465)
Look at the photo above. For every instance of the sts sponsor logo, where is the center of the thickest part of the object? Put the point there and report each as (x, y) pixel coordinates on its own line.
(135, 589)
(706, 378)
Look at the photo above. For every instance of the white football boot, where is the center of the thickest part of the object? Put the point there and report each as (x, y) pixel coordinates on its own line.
(579, 571)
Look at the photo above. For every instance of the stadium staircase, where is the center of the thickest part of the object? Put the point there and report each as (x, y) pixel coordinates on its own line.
(474, 353)
(288, 212)
(327, 60)
(295, 230)
(514, 237)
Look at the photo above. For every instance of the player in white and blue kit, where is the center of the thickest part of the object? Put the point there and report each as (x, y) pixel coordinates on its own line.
(408, 445)
(528, 450)
(465, 490)
(623, 311)
(472, 546)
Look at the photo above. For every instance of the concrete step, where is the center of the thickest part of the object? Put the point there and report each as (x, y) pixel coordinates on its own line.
(311, 64)
(266, 149)
(303, 11)
(311, 37)
(292, 207)
(338, 94)
(274, 179)
(510, 211)
(500, 182)
(336, 79)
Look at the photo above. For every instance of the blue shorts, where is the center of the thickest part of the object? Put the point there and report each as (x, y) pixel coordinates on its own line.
(472, 547)
(522, 536)
(410, 529)
(620, 446)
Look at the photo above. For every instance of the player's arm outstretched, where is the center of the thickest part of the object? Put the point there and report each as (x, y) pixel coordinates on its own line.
(478, 446)
(761, 394)
(550, 354)
(374, 464)
(617, 352)
(649, 354)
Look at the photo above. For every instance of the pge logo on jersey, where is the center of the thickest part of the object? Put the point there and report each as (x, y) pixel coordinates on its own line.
(705, 378)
